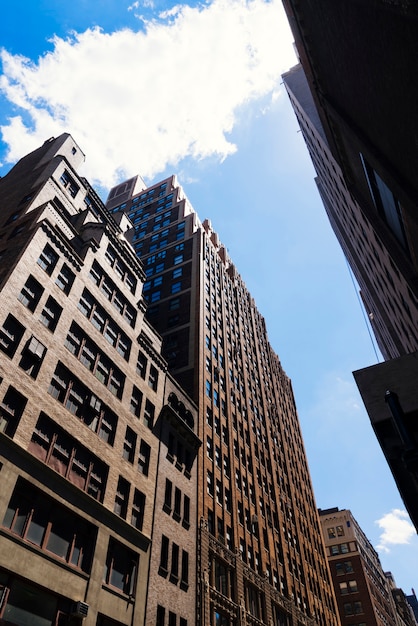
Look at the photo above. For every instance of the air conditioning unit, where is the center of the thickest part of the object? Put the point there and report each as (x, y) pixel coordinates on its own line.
(80, 609)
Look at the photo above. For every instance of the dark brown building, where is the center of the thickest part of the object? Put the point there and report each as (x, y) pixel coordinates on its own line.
(389, 393)
(366, 595)
(260, 553)
(355, 100)
(97, 441)
(357, 60)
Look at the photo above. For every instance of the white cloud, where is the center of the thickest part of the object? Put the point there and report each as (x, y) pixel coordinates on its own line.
(139, 101)
(397, 529)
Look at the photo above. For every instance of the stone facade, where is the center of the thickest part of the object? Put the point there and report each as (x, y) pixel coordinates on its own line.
(83, 390)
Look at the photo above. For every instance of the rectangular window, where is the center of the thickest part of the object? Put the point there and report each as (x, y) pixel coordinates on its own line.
(144, 458)
(186, 512)
(176, 287)
(153, 378)
(136, 401)
(174, 304)
(209, 483)
(129, 445)
(11, 334)
(160, 616)
(174, 574)
(149, 412)
(164, 556)
(40, 520)
(48, 259)
(138, 509)
(11, 410)
(141, 365)
(184, 584)
(168, 495)
(122, 497)
(121, 568)
(31, 293)
(50, 314)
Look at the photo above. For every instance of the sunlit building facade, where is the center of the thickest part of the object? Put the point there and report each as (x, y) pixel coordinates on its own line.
(89, 416)
(260, 553)
(366, 595)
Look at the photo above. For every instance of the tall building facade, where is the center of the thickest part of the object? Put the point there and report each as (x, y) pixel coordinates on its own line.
(366, 595)
(363, 139)
(355, 79)
(93, 500)
(386, 291)
(260, 553)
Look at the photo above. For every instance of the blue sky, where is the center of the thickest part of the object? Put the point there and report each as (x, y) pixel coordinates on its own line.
(156, 88)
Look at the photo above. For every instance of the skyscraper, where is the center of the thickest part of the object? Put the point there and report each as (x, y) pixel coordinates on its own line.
(91, 496)
(260, 552)
(125, 500)
(362, 137)
(368, 133)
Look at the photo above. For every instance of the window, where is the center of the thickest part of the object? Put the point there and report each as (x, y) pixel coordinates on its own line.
(32, 356)
(163, 569)
(136, 401)
(177, 272)
(65, 279)
(177, 504)
(149, 411)
(168, 495)
(153, 378)
(386, 203)
(129, 445)
(184, 582)
(176, 287)
(343, 588)
(50, 314)
(48, 259)
(69, 183)
(174, 574)
(358, 607)
(11, 410)
(11, 334)
(68, 457)
(178, 259)
(174, 304)
(209, 483)
(122, 497)
(121, 568)
(31, 293)
(138, 509)
(144, 458)
(186, 512)
(160, 616)
(40, 520)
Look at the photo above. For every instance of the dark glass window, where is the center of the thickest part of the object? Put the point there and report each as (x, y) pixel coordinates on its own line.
(31, 293)
(48, 259)
(121, 568)
(40, 520)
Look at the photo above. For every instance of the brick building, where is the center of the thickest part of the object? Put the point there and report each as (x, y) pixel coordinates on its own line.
(260, 553)
(97, 441)
(366, 595)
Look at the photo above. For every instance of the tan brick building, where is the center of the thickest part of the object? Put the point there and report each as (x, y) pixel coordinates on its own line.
(260, 554)
(88, 415)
